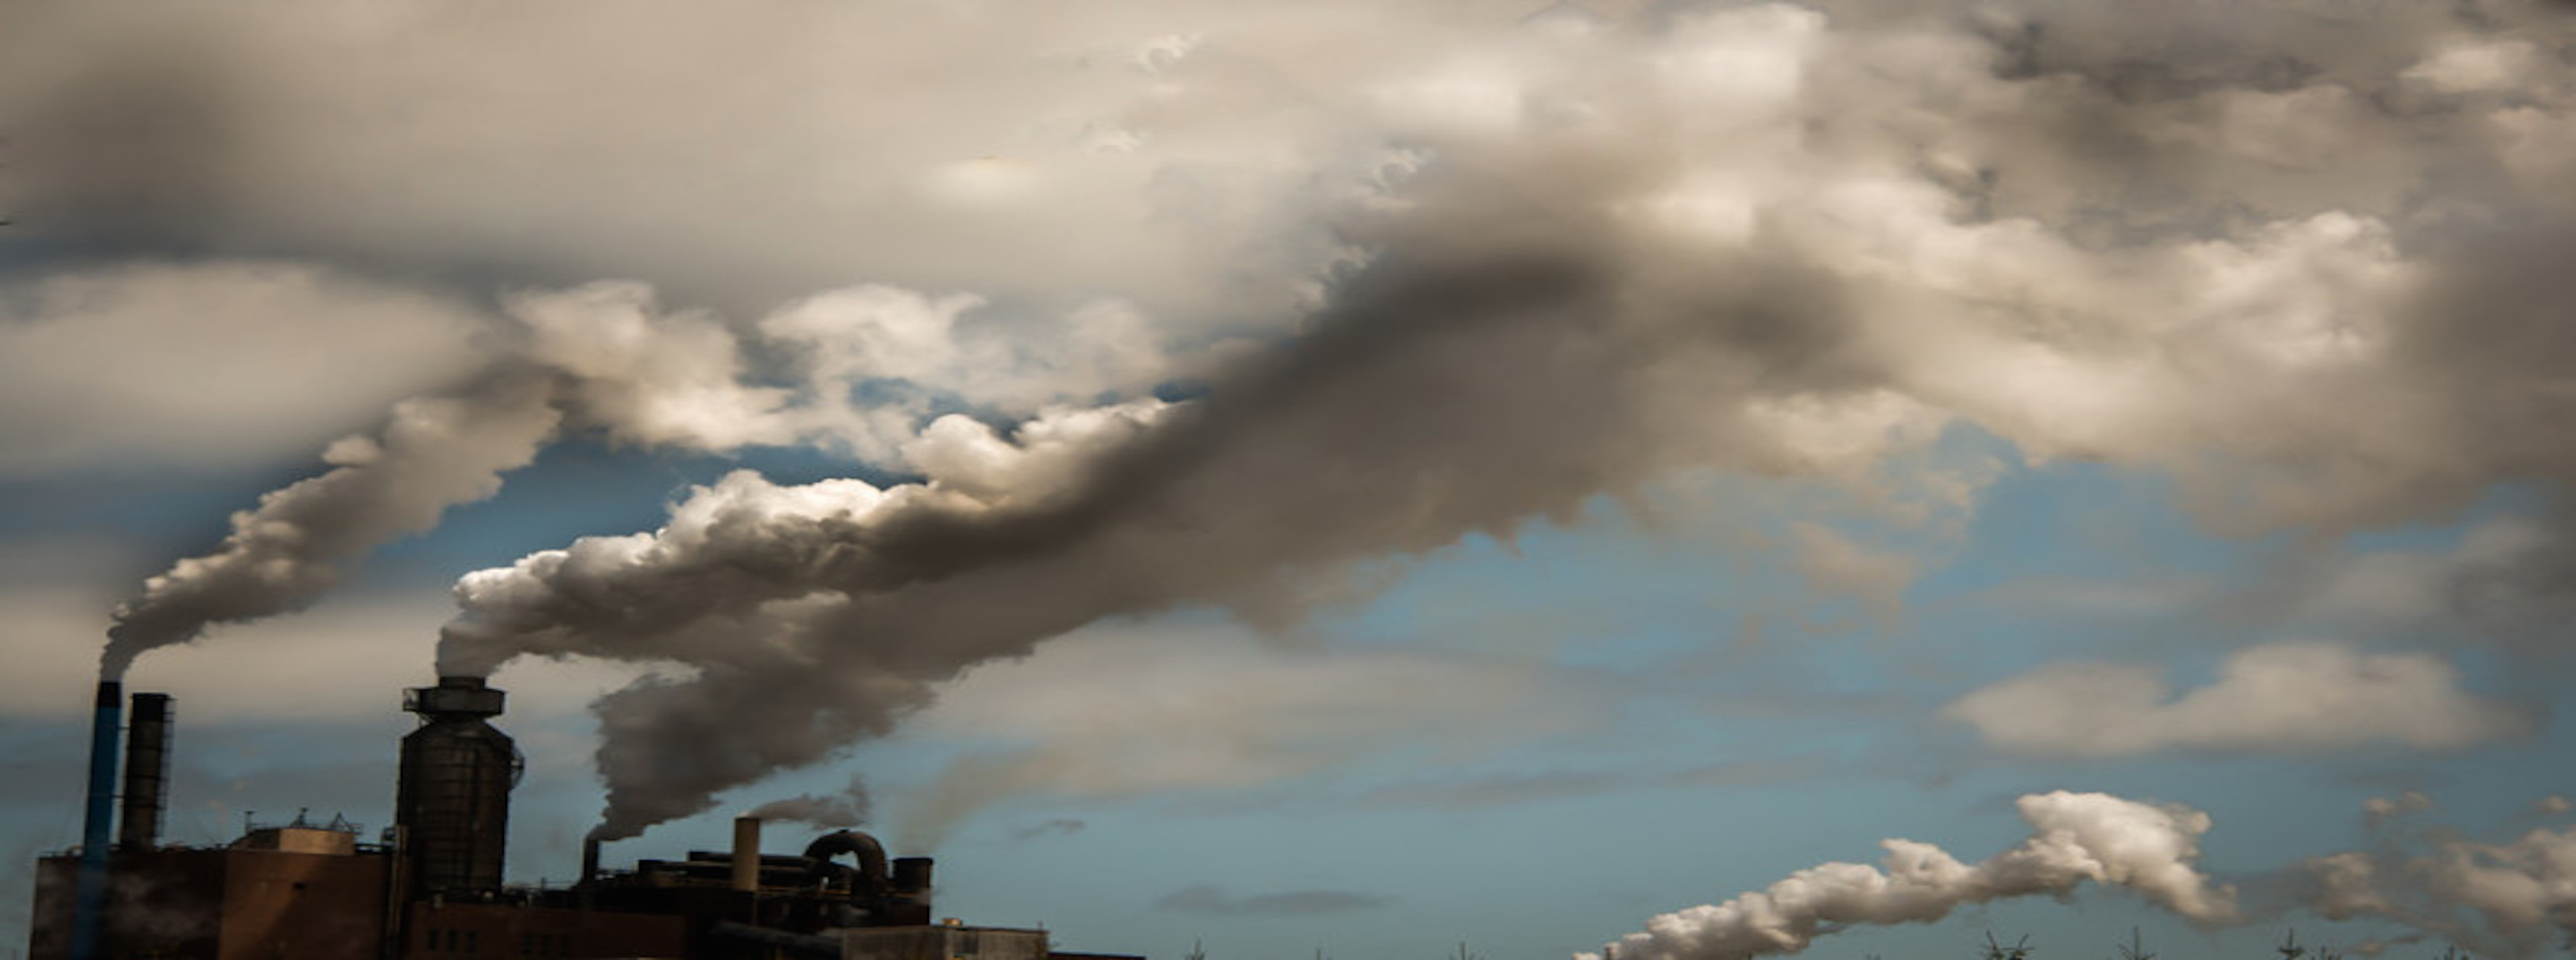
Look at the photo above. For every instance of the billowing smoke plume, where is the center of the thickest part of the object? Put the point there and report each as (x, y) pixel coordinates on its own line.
(435, 453)
(2075, 837)
(603, 358)
(2301, 259)
(848, 808)
(817, 614)
(1748, 238)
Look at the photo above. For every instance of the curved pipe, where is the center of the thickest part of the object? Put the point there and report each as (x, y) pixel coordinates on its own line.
(871, 855)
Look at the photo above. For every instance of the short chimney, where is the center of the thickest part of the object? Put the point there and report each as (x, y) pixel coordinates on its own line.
(746, 854)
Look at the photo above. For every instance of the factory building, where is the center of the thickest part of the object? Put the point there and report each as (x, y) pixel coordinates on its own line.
(430, 887)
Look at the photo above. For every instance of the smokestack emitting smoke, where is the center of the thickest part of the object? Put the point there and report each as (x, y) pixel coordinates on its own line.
(2075, 837)
(1764, 238)
(434, 453)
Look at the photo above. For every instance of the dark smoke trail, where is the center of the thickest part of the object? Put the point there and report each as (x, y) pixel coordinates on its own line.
(1461, 392)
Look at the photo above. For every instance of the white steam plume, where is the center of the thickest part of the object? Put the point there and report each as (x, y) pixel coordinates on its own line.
(849, 808)
(2075, 837)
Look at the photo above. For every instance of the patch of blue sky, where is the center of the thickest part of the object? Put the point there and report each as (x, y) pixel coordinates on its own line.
(584, 488)
(1595, 594)
(131, 501)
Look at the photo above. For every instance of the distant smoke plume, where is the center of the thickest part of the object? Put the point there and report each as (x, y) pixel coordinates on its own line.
(2514, 899)
(849, 808)
(2511, 899)
(2075, 837)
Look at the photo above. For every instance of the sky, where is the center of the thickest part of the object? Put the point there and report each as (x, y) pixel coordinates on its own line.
(1691, 480)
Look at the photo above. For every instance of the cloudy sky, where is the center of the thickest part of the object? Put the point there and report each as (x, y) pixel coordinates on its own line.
(1718, 478)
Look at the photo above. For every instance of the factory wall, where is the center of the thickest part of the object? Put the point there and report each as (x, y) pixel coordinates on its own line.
(467, 931)
(434, 891)
(222, 904)
(943, 942)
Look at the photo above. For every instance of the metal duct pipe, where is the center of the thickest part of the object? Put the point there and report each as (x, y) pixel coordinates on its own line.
(147, 772)
(870, 878)
(746, 854)
(89, 890)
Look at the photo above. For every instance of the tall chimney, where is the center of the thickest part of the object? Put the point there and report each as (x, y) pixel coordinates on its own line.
(89, 890)
(147, 772)
(589, 860)
(746, 854)
(452, 797)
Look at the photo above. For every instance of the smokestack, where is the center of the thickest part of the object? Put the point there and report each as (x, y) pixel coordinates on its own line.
(453, 797)
(147, 773)
(912, 875)
(910, 903)
(746, 854)
(589, 860)
(89, 897)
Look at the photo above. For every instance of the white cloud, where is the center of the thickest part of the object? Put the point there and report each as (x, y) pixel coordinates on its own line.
(220, 365)
(1216, 708)
(2281, 698)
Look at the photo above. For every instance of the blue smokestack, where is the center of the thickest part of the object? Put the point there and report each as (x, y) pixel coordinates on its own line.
(89, 896)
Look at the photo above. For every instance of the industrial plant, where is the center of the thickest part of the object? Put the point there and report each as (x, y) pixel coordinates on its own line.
(430, 887)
